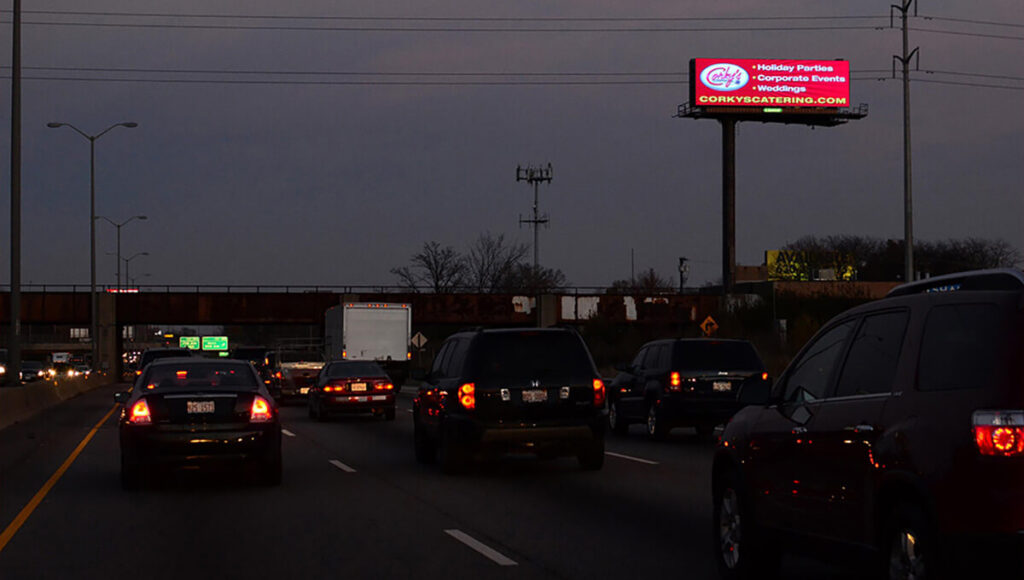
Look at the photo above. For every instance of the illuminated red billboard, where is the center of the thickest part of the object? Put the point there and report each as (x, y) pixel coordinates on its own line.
(751, 82)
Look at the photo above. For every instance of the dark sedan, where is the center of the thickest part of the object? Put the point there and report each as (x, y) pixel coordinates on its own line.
(352, 387)
(199, 412)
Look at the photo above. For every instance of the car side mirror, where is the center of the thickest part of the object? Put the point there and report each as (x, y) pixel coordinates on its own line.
(755, 393)
(121, 397)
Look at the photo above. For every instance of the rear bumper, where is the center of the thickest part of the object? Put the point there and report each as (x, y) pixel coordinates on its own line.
(574, 433)
(693, 411)
(356, 403)
(150, 445)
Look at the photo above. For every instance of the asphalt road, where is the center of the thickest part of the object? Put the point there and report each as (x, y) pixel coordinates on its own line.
(354, 503)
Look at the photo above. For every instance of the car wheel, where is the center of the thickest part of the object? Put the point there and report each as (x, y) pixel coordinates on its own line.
(426, 451)
(655, 425)
(270, 470)
(311, 409)
(743, 553)
(131, 475)
(452, 454)
(908, 549)
(591, 458)
(616, 423)
(321, 412)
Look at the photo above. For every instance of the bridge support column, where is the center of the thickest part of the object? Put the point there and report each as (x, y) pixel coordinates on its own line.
(108, 346)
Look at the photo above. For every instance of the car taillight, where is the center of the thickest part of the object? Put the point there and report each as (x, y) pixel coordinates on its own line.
(260, 412)
(344, 354)
(140, 413)
(599, 393)
(467, 396)
(383, 386)
(675, 382)
(999, 433)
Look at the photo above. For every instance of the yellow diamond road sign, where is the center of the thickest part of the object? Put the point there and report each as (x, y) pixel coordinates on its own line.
(709, 326)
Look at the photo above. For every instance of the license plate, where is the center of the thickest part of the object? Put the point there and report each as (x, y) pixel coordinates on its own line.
(722, 386)
(303, 390)
(200, 407)
(358, 387)
(535, 396)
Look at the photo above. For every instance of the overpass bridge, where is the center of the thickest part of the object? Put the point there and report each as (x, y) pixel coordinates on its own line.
(68, 307)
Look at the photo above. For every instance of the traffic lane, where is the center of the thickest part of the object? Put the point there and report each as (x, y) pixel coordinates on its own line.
(320, 521)
(652, 499)
(33, 449)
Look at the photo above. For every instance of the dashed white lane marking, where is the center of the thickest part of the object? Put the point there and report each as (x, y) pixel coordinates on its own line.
(287, 432)
(408, 410)
(630, 458)
(488, 552)
(342, 466)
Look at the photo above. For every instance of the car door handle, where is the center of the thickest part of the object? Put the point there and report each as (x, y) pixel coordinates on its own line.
(799, 430)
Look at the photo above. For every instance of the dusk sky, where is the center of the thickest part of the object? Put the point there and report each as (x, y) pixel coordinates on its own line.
(271, 171)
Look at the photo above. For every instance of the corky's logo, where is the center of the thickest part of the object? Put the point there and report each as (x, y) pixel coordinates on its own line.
(724, 77)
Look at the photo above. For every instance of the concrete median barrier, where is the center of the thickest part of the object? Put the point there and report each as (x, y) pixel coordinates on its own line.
(20, 403)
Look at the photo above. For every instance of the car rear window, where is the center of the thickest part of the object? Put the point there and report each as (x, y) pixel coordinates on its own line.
(354, 369)
(965, 346)
(152, 355)
(199, 375)
(531, 355)
(717, 355)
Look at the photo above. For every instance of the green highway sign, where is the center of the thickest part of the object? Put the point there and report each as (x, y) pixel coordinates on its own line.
(189, 342)
(215, 343)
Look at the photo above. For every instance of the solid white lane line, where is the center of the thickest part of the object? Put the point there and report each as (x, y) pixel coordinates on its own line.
(287, 432)
(342, 466)
(483, 549)
(637, 459)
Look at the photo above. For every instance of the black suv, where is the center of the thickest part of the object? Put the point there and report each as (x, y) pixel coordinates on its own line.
(151, 354)
(507, 390)
(267, 365)
(895, 435)
(682, 383)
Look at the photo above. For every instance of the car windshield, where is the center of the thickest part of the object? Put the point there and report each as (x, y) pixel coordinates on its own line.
(199, 375)
(29, 364)
(531, 355)
(717, 355)
(342, 370)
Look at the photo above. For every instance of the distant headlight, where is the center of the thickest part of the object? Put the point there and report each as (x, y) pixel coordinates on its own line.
(3, 369)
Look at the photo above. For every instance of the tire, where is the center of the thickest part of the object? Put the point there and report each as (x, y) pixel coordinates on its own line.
(616, 423)
(309, 407)
(452, 454)
(592, 457)
(321, 413)
(743, 551)
(426, 451)
(131, 475)
(270, 470)
(655, 425)
(908, 547)
(389, 414)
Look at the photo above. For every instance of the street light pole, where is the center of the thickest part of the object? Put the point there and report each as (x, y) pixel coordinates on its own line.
(94, 307)
(118, 227)
(128, 279)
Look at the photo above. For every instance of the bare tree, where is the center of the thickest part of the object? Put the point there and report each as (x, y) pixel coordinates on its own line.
(526, 278)
(649, 282)
(491, 262)
(440, 269)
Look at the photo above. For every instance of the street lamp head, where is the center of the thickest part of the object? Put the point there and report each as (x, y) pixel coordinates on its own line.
(144, 254)
(141, 217)
(130, 124)
(54, 125)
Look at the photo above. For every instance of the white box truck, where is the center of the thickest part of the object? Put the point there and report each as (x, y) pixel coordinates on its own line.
(377, 331)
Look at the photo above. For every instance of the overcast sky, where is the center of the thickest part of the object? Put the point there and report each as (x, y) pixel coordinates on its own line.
(325, 179)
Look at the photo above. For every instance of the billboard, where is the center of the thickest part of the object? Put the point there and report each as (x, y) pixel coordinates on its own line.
(751, 82)
(804, 266)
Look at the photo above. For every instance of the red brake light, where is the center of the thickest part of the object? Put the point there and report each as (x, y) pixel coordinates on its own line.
(764, 376)
(599, 393)
(467, 396)
(999, 433)
(674, 379)
(383, 386)
(140, 413)
(260, 412)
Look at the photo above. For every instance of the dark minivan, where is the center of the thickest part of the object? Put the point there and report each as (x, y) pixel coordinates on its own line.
(895, 437)
(510, 390)
(682, 382)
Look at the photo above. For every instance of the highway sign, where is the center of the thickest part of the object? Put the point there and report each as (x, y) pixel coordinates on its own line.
(189, 342)
(419, 340)
(215, 343)
(709, 326)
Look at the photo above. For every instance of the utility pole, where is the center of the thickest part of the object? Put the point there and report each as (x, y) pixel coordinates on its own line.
(908, 206)
(534, 176)
(13, 362)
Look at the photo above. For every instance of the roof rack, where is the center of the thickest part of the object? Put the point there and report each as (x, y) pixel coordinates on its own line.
(1006, 279)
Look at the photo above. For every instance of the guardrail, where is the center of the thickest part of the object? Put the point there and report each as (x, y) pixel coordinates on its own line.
(344, 289)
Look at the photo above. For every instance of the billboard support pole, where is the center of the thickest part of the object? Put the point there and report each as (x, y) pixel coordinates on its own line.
(728, 204)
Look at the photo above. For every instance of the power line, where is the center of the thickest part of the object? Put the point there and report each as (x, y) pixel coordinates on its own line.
(973, 34)
(963, 74)
(966, 84)
(968, 21)
(421, 29)
(439, 18)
